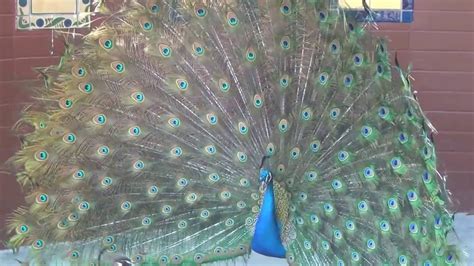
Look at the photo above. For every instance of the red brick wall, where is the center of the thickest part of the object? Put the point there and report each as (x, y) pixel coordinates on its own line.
(440, 44)
(19, 53)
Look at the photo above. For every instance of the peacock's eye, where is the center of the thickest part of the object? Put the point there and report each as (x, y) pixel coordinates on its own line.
(22, 229)
(200, 12)
(106, 181)
(283, 125)
(126, 205)
(348, 80)
(138, 165)
(38, 244)
(182, 84)
(211, 118)
(257, 101)
(138, 97)
(251, 55)
(147, 25)
(284, 81)
(285, 43)
(243, 129)
(99, 119)
(232, 19)
(152, 190)
(118, 67)
(224, 85)
(155, 9)
(358, 59)
(41, 155)
(323, 78)
(176, 152)
(86, 87)
(323, 16)
(84, 206)
(134, 131)
(79, 71)
(106, 43)
(198, 49)
(165, 50)
(69, 138)
(285, 9)
(335, 47)
(66, 103)
(103, 150)
(384, 226)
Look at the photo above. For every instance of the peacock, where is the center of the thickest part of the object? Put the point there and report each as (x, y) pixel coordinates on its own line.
(193, 132)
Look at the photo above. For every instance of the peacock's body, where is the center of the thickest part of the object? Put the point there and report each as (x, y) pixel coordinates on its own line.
(186, 132)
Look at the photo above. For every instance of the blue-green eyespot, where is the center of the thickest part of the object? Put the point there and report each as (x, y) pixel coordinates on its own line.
(83, 206)
(243, 129)
(146, 24)
(284, 81)
(38, 244)
(79, 71)
(22, 229)
(154, 8)
(251, 55)
(86, 87)
(118, 67)
(174, 122)
(165, 50)
(198, 49)
(103, 150)
(134, 131)
(257, 101)
(211, 118)
(285, 8)
(69, 138)
(285, 43)
(182, 84)
(126, 205)
(232, 19)
(200, 11)
(41, 155)
(66, 103)
(283, 125)
(138, 97)
(106, 43)
(106, 181)
(176, 152)
(138, 165)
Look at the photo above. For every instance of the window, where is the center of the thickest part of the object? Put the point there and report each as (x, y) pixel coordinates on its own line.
(53, 14)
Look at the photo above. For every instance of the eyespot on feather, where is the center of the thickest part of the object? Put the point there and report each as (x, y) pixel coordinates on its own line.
(232, 19)
(106, 43)
(146, 24)
(79, 71)
(118, 67)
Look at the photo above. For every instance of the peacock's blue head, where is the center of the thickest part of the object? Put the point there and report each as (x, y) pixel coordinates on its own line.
(264, 175)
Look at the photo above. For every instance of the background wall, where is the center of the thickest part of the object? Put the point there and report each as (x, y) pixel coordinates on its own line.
(440, 44)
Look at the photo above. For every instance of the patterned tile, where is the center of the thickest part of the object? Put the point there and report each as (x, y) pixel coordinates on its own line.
(389, 11)
(32, 14)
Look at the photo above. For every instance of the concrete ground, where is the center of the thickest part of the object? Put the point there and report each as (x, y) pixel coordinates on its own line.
(463, 224)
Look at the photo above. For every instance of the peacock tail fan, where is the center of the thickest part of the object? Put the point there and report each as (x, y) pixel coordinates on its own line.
(149, 139)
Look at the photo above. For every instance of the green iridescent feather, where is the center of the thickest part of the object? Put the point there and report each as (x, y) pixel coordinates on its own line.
(148, 139)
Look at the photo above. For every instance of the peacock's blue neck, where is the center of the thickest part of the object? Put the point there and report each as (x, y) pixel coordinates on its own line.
(266, 239)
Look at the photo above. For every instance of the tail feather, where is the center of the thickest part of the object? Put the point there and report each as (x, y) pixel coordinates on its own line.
(148, 140)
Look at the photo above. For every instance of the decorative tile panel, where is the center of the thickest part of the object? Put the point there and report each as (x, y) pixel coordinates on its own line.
(400, 11)
(53, 14)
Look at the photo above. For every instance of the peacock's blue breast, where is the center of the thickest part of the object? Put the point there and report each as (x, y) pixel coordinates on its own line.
(266, 239)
